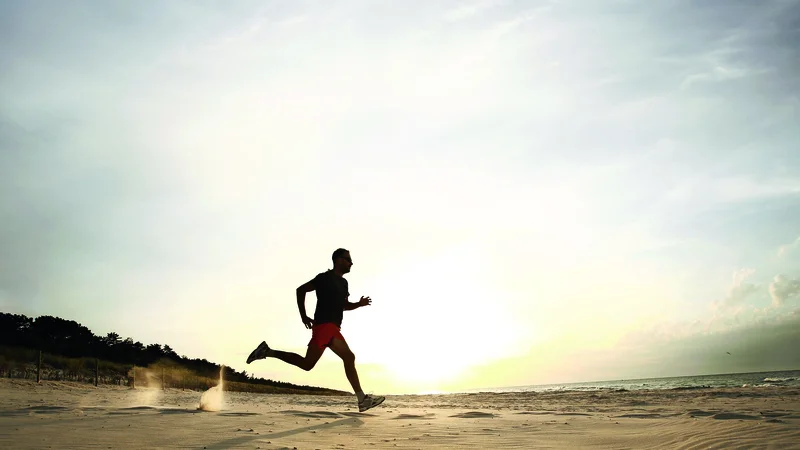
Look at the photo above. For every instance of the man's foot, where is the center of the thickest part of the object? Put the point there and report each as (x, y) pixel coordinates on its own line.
(261, 352)
(370, 402)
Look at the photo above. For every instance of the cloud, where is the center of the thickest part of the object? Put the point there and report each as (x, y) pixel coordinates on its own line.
(464, 11)
(763, 345)
(739, 290)
(721, 73)
(784, 250)
(768, 343)
(783, 288)
(737, 46)
(732, 189)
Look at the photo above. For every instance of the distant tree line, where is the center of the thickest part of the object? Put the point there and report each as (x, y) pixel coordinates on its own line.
(70, 348)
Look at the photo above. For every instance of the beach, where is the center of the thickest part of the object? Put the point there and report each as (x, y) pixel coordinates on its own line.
(73, 415)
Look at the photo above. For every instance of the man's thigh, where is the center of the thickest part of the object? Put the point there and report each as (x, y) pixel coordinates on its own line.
(314, 352)
(340, 347)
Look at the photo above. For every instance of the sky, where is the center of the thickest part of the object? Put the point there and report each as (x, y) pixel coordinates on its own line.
(531, 192)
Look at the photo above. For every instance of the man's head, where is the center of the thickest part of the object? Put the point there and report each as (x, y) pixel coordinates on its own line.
(341, 260)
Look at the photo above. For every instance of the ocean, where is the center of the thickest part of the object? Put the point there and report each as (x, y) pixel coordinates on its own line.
(786, 378)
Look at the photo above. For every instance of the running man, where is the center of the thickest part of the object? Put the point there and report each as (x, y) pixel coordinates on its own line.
(332, 300)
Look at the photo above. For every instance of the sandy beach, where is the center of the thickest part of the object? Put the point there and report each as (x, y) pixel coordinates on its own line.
(72, 415)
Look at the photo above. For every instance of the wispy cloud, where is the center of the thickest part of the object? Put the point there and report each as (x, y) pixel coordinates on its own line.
(739, 291)
(786, 249)
(465, 11)
(721, 73)
(729, 59)
(783, 288)
(733, 189)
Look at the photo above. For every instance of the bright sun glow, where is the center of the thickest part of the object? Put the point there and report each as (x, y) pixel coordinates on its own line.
(440, 320)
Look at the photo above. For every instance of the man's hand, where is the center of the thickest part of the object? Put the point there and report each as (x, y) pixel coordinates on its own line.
(308, 322)
(365, 301)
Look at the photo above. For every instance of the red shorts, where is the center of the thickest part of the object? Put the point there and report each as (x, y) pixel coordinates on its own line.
(323, 334)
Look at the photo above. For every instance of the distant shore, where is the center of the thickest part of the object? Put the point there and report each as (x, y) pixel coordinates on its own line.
(777, 378)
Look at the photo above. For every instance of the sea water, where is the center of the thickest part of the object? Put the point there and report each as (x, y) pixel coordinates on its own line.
(787, 378)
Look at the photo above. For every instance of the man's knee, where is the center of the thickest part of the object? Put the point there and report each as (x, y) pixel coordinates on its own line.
(313, 354)
(348, 357)
(308, 364)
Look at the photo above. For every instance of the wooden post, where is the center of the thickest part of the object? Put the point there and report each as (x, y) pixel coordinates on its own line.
(96, 370)
(163, 385)
(134, 376)
(39, 368)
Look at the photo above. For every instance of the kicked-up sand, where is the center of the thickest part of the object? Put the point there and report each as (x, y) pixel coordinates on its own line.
(74, 416)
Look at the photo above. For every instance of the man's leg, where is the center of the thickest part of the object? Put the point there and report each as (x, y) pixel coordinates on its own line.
(313, 354)
(365, 402)
(340, 347)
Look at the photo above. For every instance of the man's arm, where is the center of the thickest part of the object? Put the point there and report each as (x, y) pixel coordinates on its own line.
(349, 306)
(301, 301)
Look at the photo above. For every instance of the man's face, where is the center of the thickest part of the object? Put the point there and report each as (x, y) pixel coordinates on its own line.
(345, 262)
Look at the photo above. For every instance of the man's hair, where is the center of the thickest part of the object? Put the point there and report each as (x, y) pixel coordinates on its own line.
(339, 252)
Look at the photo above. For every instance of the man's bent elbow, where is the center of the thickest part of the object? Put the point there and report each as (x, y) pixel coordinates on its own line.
(303, 288)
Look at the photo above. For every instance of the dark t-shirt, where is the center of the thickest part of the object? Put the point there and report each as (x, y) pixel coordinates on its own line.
(332, 293)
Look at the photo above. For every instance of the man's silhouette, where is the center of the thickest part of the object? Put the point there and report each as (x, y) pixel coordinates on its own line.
(332, 300)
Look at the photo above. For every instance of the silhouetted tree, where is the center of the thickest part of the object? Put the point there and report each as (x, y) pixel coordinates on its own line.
(15, 330)
(170, 353)
(22, 336)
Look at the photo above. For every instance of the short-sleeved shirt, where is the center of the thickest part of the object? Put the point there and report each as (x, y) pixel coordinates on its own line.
(332, 293)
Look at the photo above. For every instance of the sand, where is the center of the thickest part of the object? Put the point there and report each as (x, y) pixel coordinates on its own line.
(72, 415)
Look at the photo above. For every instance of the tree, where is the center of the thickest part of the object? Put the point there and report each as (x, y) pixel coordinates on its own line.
(170, 353)
(111, 339)
(15, 330)
(72, 348)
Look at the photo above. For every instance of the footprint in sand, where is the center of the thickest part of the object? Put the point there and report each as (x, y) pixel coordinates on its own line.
(46, 409)
(774, 414)
(413, 416)
(701, 413)
(734, 416)
(313, 414)
(647, 416)
(473, 415)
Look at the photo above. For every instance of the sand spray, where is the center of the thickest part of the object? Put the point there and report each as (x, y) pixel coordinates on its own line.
(213, 399)
(151, 394)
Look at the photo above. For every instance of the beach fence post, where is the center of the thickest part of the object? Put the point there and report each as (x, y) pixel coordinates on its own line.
(163, 385)
(134, 376)
(96, 370)
(39, 368)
